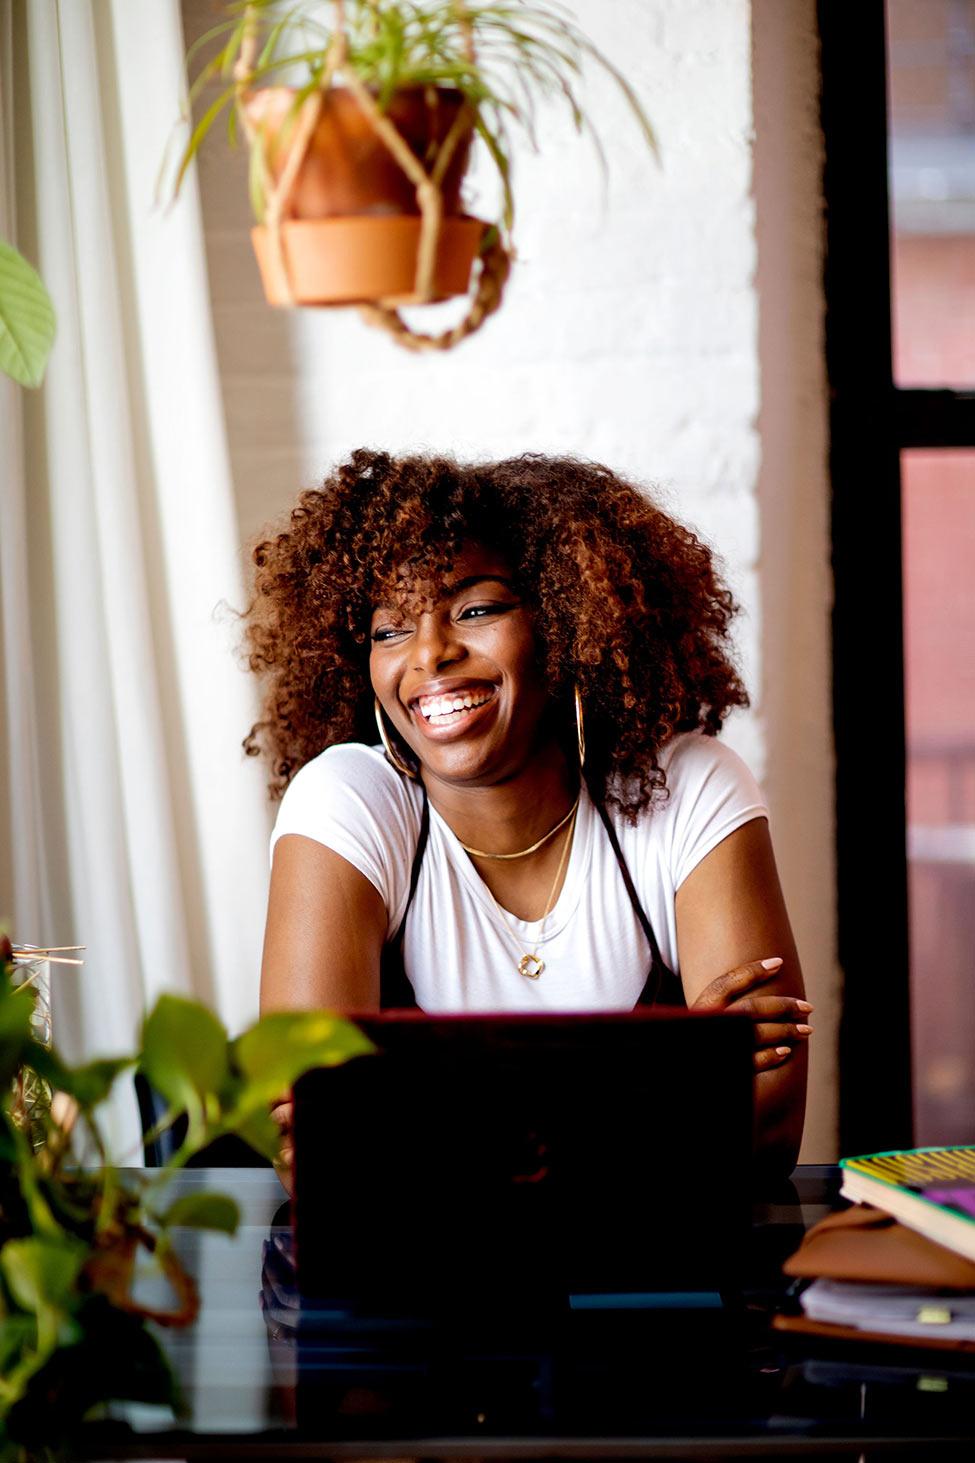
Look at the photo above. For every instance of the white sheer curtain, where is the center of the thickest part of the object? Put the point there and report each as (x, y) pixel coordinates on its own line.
(129, 820)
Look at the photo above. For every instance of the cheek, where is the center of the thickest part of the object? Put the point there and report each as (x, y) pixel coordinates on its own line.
(377, 679)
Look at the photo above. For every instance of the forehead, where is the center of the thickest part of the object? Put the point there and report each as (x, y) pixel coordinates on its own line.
(432, 582)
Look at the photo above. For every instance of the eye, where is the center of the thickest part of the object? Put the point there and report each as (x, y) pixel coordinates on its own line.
(384, 633)
(478, 612)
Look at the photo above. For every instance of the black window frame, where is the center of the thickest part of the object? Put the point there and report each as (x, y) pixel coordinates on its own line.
(872, 420)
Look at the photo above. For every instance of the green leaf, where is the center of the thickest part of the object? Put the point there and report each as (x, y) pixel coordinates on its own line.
(8, 1148)
(16, 1041)
(203, 1211)
(254, 1124)
(274, 1052)
(89, 1084)
(27, 322)
(184, 1051)
(18, 1332)
(41, 1273)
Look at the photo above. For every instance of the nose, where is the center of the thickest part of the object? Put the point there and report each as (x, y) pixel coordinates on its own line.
(435, 643)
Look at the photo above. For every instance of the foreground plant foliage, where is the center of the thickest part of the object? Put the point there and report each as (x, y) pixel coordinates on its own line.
(72, 1333)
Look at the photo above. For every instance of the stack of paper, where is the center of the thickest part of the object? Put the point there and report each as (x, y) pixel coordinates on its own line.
(899, 1266)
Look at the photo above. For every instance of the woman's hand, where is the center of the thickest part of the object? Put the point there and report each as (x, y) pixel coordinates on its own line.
(283, 1114)
(780, 1023)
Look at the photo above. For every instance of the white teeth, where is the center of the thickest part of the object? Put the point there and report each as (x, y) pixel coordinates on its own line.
(442, 708)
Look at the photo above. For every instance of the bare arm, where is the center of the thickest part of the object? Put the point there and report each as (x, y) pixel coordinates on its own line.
(326, 924)
(730, 912)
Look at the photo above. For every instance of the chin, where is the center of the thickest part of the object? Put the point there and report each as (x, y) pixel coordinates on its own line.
(458, 764)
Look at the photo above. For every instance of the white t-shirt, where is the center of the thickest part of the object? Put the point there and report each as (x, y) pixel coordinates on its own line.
(458, 954)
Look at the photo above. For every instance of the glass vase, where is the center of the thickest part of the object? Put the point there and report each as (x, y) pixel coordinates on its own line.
(32, 1094)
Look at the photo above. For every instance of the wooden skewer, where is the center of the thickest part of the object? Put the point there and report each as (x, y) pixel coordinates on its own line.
(29, 981)
(45, 949)
(41, 959)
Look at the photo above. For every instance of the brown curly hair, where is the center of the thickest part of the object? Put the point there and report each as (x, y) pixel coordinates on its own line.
(626, 602)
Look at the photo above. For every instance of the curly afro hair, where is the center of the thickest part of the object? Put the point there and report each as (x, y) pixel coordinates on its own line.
(626, 602)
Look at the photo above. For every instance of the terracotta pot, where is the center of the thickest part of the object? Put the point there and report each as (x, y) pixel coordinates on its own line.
(344, 261)
(347, 170)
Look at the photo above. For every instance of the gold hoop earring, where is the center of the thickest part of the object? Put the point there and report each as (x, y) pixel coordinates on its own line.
(397, 762)
(580, 728)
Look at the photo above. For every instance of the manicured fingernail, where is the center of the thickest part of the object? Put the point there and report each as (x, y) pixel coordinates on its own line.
(773, 963)
(782, 1051)
(803, 1006)
(804, 1030)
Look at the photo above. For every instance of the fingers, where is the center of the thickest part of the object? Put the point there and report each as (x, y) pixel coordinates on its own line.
(770, 1057)
(284, 1168)
(720, 994)
(769, 1034)
(771, 1008)
(283, 1114)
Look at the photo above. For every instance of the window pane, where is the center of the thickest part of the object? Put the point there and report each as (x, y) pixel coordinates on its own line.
(931, 52)
(939, 666)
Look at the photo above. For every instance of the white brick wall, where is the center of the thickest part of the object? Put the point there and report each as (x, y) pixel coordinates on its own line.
(631, 334)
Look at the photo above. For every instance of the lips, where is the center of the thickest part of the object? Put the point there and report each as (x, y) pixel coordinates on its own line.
(455, 708)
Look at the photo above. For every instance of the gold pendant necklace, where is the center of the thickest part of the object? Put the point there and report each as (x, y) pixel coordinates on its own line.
(531, 965)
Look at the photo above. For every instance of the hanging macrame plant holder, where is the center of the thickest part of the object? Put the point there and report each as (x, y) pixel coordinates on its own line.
(404, 258)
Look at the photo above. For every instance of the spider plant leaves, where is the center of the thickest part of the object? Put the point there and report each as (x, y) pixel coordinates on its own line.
(503, 165)
(27, 321)
(522, 53)
(200, 131)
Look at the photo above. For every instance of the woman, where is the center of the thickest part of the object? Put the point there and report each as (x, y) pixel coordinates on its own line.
(549, 822)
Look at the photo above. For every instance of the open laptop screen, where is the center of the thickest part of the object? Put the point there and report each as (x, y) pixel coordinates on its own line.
(480, 1159)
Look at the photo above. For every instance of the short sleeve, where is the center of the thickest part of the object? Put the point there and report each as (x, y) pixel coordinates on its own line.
(349, 799)
(712, 792)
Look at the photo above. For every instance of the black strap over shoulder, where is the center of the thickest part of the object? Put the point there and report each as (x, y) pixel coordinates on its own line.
(395, 991)
(662, 986)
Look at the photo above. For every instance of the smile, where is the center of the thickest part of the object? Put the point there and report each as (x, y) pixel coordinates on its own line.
(456, 709)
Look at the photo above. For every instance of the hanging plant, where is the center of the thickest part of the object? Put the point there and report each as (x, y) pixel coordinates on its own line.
(360, 118)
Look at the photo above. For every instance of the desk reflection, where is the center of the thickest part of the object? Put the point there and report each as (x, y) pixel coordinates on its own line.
(350, 1371)
(263, 1375)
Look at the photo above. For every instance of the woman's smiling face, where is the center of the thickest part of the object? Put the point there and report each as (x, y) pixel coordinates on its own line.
(458, 679)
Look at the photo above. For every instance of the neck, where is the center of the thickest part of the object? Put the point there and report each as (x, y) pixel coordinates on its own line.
(511, 814)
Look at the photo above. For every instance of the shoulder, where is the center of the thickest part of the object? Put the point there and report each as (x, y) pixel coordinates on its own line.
(698, 765)
(711, 792)
(349, 788)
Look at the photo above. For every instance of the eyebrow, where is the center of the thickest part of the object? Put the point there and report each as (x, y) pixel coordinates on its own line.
(473, 579)
(451, 589)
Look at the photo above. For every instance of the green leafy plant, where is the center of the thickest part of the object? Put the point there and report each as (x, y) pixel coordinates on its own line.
(503, 56)
(27, 321)
(73, 1228)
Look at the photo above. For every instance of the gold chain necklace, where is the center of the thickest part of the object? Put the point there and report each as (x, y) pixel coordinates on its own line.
(530, 966)
(524, 852)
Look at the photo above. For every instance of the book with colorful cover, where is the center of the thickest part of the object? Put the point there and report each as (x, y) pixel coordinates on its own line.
(931, 1190)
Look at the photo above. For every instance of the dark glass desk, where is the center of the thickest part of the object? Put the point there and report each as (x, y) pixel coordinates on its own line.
(681, 1383)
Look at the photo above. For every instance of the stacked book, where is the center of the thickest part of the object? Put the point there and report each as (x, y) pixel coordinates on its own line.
(899, 1265)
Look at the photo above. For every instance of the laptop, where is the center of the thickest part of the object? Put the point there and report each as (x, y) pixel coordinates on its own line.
(484, 1162)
